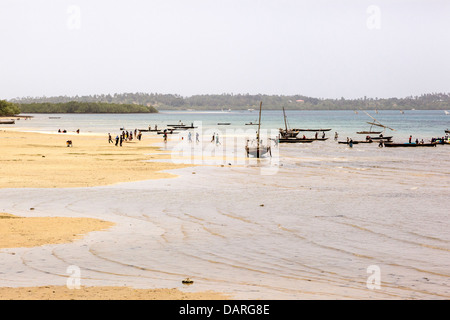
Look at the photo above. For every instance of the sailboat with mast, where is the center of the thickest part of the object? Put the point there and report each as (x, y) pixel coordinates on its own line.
(290, 135)
(259, 150)
(376, 123)
(287, 133)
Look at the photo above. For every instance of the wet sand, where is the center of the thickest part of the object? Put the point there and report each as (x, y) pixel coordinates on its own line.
(37, 160)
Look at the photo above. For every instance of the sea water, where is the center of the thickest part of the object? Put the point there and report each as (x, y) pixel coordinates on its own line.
(318, 220)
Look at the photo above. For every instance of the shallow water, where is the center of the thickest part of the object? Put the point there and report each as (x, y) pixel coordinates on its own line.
(308, 223)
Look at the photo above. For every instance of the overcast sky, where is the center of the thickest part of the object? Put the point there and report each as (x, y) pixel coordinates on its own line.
(326, 49)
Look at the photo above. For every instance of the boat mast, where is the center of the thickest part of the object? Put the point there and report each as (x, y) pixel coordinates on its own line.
(259, 128)
(285, 124)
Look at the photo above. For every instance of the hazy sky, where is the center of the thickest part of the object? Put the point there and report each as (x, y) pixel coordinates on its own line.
(327, 49)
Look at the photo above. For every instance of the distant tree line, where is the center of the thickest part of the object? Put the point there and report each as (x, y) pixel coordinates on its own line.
(84, 107)
(8, 108)
(432, 101)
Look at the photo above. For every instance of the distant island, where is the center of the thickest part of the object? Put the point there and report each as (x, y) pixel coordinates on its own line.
(83, 107)
(151, 102)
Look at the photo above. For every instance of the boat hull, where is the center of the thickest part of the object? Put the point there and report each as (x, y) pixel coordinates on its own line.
(7, 121)
(294, 140)
(313, 130)
(409, 145)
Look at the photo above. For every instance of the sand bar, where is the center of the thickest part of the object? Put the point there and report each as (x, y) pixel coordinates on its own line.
(36, 160)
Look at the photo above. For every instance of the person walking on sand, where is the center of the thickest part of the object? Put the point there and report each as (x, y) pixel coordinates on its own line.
(196, 137)
(217, 139)
(213, 136)
(190, 137)
(121, 140)
(117, 140)
(109, 138)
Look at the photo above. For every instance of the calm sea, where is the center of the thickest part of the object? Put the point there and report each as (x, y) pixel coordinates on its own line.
(425, 124)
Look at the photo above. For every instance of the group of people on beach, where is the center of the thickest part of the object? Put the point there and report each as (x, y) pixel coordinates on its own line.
(65, 131)
(124, 136)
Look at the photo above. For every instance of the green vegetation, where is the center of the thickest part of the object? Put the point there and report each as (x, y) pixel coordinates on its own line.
(84, 107)
(8, 108)
(434, 101)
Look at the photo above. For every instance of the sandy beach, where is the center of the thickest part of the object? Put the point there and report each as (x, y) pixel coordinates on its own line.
(104, 293)
(37, 160)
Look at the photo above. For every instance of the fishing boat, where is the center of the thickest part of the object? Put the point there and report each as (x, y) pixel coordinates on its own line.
(223, 124)
(294, 140)
(410, 145)
(251, 124)
(376, 123)
(170, 131)
(259, 150)
(287, 133)
(389, 138)
(7, 121)
(181, 125)
(369, 132)
(313, 130)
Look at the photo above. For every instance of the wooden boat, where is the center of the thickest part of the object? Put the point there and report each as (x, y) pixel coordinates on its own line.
(294, 140)
(167, 131)
(382, 138)
(180, 125)
(7, 121)
(410, 145)
(312, 130)
(259, 150)
(357, 141)
(223, 124)
(150, 129)
(287, 133)
(369, 132)
(251, 124)
(376, 123)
